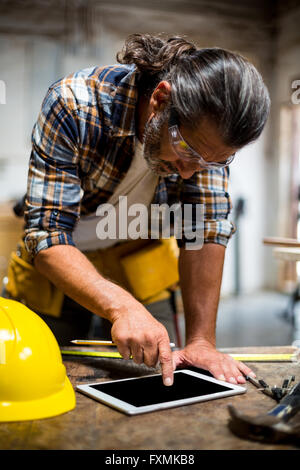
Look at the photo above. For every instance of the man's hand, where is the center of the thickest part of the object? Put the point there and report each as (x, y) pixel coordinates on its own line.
(136, 332)
(203, 354)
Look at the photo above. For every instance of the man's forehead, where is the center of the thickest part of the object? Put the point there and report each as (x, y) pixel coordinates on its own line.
(206, 139)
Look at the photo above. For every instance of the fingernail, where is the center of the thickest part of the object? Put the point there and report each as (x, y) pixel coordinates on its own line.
(232, 380)
(221, 377)
(168, 382)
(241, 379)
(252, 375)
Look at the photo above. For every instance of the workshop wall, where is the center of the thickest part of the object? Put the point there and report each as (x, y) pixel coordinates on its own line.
(286, 53)
(43, 43)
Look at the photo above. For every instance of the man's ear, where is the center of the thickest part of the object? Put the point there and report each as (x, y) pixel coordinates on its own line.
(160, 97)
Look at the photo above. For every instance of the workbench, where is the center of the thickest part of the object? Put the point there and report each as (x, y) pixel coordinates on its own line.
(92, 425)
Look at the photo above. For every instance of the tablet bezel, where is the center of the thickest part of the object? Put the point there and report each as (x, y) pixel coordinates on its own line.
(134, 410)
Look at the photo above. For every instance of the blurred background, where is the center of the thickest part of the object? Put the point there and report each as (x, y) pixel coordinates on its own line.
(43, 40)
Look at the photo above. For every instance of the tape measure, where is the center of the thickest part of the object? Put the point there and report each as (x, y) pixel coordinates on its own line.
(114, 355)
(265, 357)
(239, 357)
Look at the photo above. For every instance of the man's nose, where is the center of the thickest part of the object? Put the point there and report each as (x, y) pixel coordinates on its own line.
(184, 170)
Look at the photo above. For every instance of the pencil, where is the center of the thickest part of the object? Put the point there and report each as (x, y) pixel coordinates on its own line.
(91, 342)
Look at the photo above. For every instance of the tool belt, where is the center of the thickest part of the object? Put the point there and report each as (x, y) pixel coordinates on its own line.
(146, 268)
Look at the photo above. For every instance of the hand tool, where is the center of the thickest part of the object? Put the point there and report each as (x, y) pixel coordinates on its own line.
(274, 392)
(272, 427)
(87, 342)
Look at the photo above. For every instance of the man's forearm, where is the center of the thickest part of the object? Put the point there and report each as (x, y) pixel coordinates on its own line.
(75, 275)
(200, 281)
(134, 330)
(201, 277)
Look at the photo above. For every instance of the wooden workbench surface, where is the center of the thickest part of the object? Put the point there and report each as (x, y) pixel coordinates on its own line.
(92, 425)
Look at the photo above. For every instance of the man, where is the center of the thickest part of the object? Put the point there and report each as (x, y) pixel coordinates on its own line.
(188, 111)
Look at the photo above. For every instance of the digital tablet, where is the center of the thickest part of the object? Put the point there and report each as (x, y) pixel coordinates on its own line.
(144, 394)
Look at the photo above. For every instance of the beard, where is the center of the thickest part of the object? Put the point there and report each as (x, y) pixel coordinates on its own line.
(152, 145)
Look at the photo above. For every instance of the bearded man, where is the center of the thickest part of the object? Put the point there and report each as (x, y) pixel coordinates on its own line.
(162, 126)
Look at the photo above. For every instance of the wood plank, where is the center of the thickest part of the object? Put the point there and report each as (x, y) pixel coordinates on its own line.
(280, 241)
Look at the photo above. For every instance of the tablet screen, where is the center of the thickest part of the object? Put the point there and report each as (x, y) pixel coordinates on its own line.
(150, 390)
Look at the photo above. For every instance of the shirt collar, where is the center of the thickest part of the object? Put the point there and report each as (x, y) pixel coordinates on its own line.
(124, 104)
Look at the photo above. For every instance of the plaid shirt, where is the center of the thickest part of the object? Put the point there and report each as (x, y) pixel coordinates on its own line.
(82, 147)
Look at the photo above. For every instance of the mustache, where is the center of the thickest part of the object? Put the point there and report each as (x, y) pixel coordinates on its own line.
(159, 166)
(169, 166)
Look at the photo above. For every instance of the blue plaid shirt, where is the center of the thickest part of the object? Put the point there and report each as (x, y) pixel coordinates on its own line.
(82, 146)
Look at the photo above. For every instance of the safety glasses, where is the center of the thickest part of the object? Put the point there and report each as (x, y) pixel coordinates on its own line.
(186, 153)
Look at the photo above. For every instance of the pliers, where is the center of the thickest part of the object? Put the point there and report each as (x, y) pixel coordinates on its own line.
(277, 393)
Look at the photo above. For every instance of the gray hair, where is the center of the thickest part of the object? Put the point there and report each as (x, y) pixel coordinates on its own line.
(210, 82)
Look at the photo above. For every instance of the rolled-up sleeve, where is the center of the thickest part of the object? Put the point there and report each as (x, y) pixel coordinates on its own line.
(210, 189)
(53, 190)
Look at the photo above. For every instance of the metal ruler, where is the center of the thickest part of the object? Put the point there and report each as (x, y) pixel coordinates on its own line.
(239, 357)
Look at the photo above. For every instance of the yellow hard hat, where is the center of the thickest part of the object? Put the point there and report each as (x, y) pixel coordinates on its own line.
(33, 380)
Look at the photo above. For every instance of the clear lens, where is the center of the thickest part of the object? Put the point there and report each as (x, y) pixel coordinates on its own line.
(186, 153)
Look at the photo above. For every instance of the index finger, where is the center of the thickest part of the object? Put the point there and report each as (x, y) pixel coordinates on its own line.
(166, 362)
